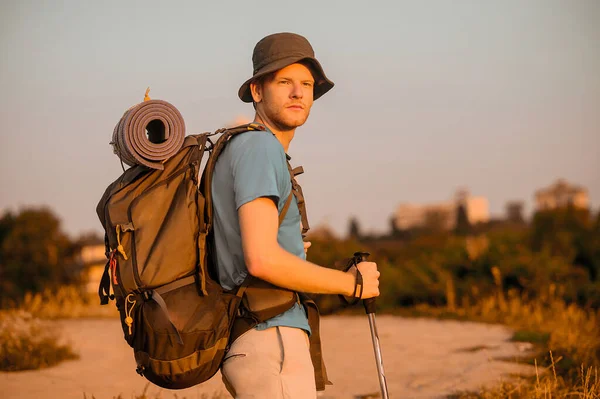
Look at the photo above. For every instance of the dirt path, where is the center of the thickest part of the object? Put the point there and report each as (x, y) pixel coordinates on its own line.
(423, 359)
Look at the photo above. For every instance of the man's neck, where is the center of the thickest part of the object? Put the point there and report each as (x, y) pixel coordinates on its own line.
(284, 136)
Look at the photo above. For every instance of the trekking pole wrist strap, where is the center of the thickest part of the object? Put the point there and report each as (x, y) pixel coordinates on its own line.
(358, 287)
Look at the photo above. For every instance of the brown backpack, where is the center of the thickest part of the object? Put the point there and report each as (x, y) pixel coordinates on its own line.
(174, 315)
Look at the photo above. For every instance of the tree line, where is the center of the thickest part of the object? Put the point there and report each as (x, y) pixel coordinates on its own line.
(559, 248)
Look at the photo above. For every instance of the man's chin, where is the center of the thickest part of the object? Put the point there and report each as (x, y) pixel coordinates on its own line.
(294, 123)
(289, 122)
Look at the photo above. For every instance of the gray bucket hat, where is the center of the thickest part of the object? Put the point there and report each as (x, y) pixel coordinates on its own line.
(279, 50)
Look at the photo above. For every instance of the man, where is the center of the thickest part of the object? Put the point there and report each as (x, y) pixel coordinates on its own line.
(251, 185)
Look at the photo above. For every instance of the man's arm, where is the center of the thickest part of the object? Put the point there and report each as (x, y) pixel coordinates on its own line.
(267, 260)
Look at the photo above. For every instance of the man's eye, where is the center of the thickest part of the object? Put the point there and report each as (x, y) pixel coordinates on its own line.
(284, 82)
(308, 84)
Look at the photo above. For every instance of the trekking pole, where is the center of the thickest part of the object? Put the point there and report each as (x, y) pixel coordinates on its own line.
(370, 309)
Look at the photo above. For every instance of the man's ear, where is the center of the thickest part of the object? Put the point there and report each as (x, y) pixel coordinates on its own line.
(256, 90)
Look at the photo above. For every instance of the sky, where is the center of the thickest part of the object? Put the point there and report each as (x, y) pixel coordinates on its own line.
(501, 98)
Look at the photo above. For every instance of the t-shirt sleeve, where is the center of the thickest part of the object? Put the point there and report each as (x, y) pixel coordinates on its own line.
(259, 169)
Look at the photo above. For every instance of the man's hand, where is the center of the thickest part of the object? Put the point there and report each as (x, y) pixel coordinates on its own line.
(370, 276)
(307, 245)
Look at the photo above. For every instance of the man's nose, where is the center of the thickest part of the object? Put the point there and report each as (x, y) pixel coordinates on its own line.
(297, 91)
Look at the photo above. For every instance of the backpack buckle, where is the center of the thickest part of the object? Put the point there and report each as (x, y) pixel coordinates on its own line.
(140, 370)
(147, 295)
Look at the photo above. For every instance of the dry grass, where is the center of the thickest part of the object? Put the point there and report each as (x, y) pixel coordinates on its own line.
(28, 343)
(68, 302)
(566, 336)
(547, 384)
(572, 331)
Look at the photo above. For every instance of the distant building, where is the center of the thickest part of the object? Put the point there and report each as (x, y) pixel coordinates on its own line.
(442, 215)
(561, 194)
(478, 210)
(90, 262)
(439, 215)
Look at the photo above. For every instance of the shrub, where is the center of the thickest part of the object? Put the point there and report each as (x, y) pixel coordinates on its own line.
(28, 343)
(67, 302)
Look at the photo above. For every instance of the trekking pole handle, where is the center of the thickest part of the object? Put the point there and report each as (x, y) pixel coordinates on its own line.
(370, 305)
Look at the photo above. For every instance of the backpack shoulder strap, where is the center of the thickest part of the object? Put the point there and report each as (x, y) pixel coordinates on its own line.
(285, 207)
(207, 175)
(297, 191)
(210, 166)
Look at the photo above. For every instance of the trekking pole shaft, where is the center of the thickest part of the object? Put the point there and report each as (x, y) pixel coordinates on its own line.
(370, 309)
(378, 358)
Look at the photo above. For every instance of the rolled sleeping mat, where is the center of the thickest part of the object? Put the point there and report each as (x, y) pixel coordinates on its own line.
(148, 134)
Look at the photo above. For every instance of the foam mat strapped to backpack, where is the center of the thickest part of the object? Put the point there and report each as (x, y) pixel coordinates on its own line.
(148, 134)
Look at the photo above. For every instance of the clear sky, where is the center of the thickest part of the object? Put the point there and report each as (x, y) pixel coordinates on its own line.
(501, 97)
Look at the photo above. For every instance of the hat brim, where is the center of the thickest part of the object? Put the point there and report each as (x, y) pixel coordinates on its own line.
(322, 83)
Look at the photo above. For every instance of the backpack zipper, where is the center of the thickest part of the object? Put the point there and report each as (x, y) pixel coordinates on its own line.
(120, 248)
(128, 318)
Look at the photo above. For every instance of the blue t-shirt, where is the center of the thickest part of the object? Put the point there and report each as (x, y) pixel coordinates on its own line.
(253, 165)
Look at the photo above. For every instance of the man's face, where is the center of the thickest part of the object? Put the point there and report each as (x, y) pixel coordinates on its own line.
(285, 98)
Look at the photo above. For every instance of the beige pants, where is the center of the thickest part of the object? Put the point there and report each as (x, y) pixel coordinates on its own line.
(273, 363)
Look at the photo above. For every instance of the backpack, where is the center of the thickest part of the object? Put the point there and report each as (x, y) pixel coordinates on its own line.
(174, 314)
